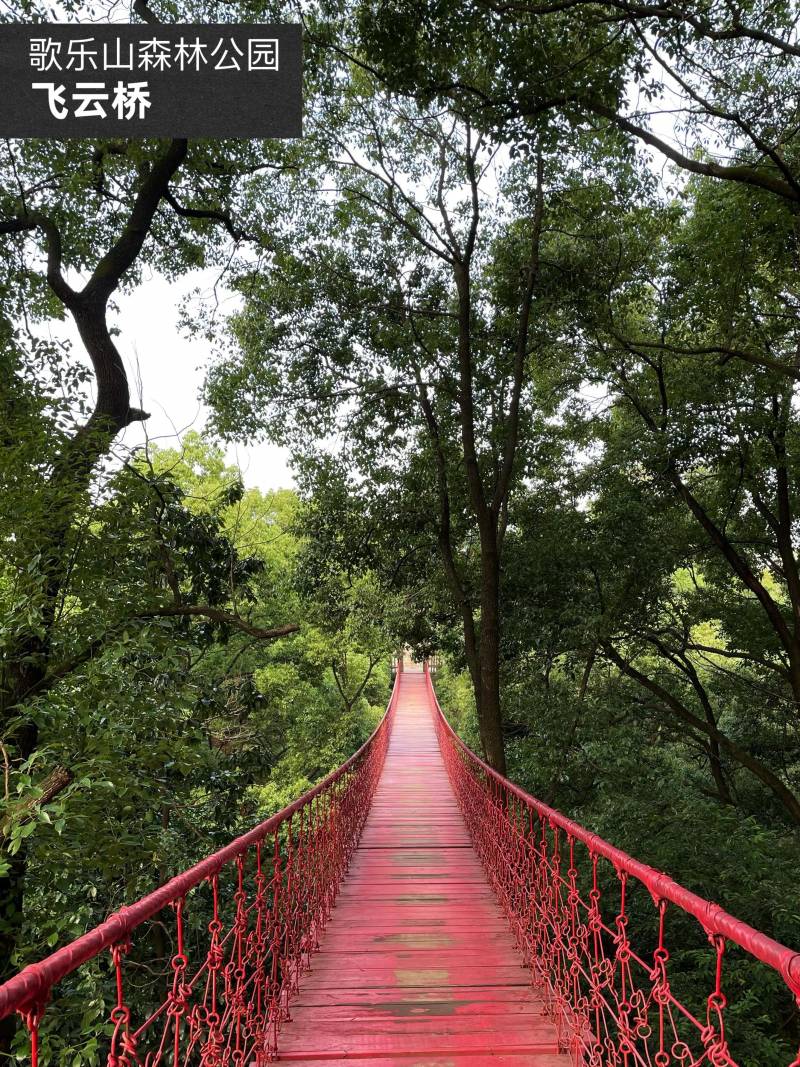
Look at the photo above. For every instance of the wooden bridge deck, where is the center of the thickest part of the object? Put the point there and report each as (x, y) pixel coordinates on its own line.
(417, 968)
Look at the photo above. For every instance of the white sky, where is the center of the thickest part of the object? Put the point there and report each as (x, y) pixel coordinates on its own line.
(166, 371)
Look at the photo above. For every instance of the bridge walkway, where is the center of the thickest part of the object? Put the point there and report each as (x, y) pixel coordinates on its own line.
(417, 967)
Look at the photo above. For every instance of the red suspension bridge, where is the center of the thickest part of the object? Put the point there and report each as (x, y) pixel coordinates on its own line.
(472, 923)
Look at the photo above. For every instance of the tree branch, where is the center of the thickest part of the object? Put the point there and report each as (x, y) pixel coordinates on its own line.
(670, 704)
(532, 275)
(122, 254)
(747, 175)
(220, 616)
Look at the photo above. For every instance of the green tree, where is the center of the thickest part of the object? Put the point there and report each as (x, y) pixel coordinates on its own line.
(708, 87)
(402, 319)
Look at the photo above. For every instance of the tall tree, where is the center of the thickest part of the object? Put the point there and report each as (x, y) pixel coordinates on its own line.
(77, 219)
(406, 316)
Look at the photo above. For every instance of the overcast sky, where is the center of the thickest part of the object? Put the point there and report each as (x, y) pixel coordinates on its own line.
(166, 371)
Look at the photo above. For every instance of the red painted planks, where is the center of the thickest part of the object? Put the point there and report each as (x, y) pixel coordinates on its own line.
(418, 968)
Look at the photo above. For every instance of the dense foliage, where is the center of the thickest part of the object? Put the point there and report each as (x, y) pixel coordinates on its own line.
(489, 190)
(524, 305)
(162, 732)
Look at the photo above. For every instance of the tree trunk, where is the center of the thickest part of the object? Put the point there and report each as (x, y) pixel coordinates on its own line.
(12, 884)
(490, 714)
(669, 704)
(71, 477)
(473, 657)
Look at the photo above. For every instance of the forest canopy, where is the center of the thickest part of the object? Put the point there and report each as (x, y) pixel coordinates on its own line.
(523, 304)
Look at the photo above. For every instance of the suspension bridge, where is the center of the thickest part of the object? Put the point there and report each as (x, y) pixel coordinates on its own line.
(413, 909)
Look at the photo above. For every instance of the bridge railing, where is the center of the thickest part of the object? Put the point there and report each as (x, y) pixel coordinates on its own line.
(603, 973)
(238, 953)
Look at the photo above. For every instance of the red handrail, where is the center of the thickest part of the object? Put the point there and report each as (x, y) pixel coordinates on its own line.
(610, 1011)
(238, 996)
